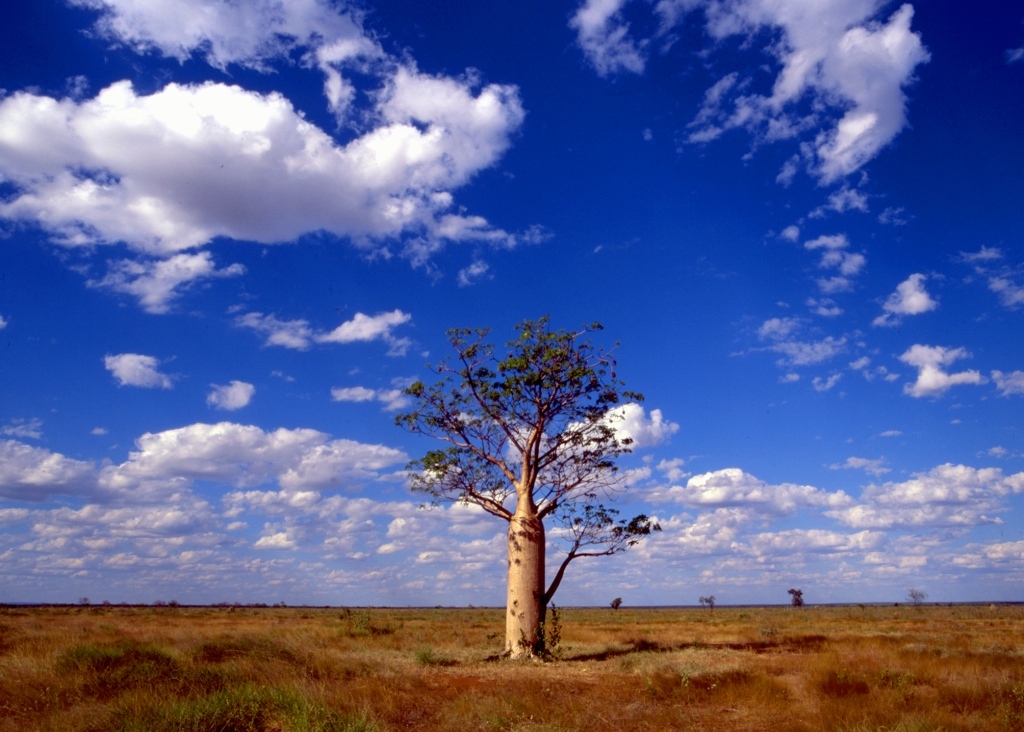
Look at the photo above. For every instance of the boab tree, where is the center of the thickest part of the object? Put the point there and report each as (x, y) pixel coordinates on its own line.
(531, 440)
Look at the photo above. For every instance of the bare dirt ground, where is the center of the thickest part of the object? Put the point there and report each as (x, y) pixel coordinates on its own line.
(898, 669)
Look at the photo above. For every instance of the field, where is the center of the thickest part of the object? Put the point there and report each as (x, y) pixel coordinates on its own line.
(240, 669)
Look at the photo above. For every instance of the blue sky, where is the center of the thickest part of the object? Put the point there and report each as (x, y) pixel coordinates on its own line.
(230, 234)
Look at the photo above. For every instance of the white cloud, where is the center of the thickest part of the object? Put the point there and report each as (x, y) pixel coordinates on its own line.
(673, 469)
(215, 160)
(299, 335)
(799, 353)
(1013, 55)
(294, 334)
(1008, 384)
(826, 384)
(34, 474)
(630, 421)
(841, 201)
(604, 37)
(825, 307)
(860, 364)
(1010, 293)
(998, 451)
(99, 431)
(836, 257)
(839, 56)
(931, 379)
(733, 487)
(949, 495)
(872, 467)
(790, 378)
(134, 369)
(393, 399)
(156, 283)
(892, 433)
(225, 33)
(790, 233)
(279, 540)
(473, 273)
(894, 215)
(245, 455)
(233, 396)
(910, 298)
(3, 322)
(364, 328)
(779, 328)
(985, 254)
(31, 429)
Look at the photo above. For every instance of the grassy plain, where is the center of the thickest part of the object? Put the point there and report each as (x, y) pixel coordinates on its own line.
(898, 669)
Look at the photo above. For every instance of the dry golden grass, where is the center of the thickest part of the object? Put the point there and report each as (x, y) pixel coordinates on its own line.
(895, 669)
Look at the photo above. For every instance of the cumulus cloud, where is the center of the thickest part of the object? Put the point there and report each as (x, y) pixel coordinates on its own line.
(1011, 294)
(872, 467)
(834, 256)
(34, 474)
(932, 380)
(825, 307)
(841, 201)
(472, 274)
(821, 384)
(985, 254)
(245, 455)
(910, 298)
(630, 421)
(225, 33)
(299, 335)
(1009, 384)
(851, 65)
(172, 170)
(393, 399)
(734, 488)
(135, 369)
(3, 322)
(158, 282)
(790, 233)
(604, 37)
(31, 429)
(780, 332)
(233, 396)
(948, 495)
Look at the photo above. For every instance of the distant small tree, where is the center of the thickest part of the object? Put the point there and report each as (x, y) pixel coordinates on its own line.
(916, 596)
(616, 603)
(798, 597)
(708, 602)
(83, 600)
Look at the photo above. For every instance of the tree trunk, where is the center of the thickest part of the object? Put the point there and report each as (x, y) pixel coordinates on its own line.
(524, 610)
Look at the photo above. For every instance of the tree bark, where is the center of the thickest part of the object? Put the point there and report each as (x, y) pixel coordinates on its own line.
(524, 611)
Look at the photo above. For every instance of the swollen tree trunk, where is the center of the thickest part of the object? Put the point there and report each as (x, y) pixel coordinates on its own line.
(524, 611)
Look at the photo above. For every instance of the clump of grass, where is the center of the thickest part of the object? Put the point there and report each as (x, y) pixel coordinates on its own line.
(114, 668)
(840, 684)
(427, 656)
(240, 709)
(259, 648)
(362, 623)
